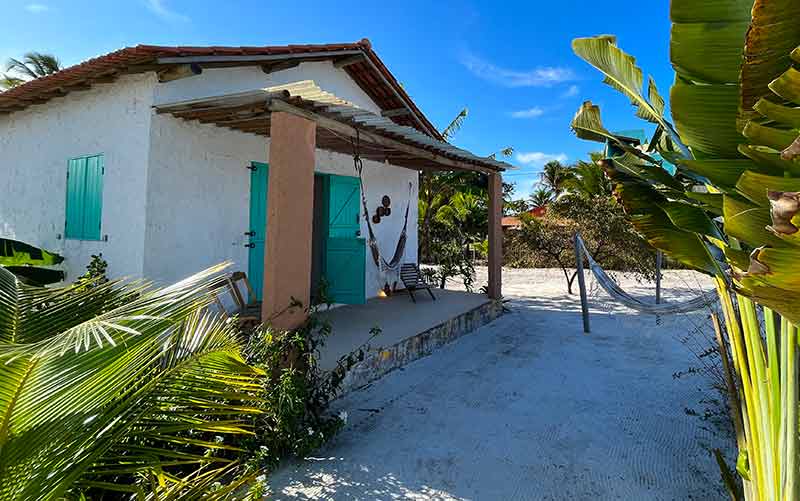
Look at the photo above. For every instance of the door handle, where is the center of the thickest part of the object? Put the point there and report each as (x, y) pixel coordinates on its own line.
(250, 246)
(250, 233)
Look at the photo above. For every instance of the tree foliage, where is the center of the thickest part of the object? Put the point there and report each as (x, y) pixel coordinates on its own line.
(547, 241)
(554, 177)
(32, 65)
(540, 198)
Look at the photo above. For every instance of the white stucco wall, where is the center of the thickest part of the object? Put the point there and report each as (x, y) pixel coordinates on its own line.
(176, 193)
(199, 197)
(35, 145)
(199, 190)
(217, 82)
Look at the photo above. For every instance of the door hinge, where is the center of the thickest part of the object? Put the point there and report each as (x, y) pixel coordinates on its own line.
(251, 167)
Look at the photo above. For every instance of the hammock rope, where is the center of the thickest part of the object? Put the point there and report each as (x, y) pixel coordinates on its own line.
(704, 300)
(383, 265)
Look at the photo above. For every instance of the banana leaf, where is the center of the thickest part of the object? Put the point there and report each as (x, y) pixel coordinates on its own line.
(587, 125)
(748, 223)
(770, 159)
(725, 173)
(705, 116)
(773, 33)
(35, 275)
(756, 186)
(622, 74)
(778, 112)
(16, 253)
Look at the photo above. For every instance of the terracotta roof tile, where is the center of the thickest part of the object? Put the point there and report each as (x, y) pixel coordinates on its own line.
(372, 75)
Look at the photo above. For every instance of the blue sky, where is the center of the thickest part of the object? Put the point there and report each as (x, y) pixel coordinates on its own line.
(510, 63)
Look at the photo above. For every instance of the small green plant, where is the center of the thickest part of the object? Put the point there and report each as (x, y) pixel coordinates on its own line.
(95, 272)
(296, 394)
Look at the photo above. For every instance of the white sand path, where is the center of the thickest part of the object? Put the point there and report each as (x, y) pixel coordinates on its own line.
(529, 407)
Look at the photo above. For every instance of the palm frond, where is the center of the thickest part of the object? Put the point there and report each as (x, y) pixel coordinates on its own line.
(20, 67)
(9, 82)
(454, 126)
(34, 65)
(70, 400)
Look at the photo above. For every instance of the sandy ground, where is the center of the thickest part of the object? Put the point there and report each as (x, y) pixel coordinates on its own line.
(529, 407)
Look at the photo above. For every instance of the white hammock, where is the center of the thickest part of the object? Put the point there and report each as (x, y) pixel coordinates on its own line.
(704, 300)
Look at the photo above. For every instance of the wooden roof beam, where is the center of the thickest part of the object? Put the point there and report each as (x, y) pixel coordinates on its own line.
(280, 66)
(397, 112)
(349, 60)
(178, 72)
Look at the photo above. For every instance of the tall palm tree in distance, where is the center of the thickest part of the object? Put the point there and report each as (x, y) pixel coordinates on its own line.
(32, 65)
(541, 197)
(554, 175)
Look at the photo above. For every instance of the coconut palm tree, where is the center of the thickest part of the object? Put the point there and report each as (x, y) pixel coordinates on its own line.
(32, 65)
(588, 180)
(554, 175)
(455, 124)
(437, 188)
(119, 388)
(541, 197)
(8, 81)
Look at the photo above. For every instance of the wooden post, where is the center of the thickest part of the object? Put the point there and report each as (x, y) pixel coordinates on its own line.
(581, 284)
(659, 259)
(495, 286)
(290, 202)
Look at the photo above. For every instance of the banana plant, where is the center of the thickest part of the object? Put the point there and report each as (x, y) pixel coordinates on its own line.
(118, 388)
(732, 209)
(26, 261)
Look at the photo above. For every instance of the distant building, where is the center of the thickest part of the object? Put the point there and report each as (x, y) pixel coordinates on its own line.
(515, 222)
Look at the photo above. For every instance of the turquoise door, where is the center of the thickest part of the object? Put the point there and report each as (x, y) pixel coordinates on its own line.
(259, 179)
(345, 250)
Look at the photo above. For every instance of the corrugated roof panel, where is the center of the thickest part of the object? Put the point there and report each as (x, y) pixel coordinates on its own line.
(312, 96)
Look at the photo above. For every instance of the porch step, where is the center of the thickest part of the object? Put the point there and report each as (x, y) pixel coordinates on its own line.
(378, 363)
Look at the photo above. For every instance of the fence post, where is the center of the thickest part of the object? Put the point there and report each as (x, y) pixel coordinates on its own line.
(581, 283)
(659, 259)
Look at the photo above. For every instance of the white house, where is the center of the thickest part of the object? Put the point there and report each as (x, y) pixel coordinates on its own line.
(170, 159)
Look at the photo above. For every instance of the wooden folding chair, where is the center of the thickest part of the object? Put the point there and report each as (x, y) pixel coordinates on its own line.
(247, 312)
(413, 280)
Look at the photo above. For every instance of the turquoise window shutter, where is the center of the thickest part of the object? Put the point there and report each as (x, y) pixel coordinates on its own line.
(76, 183)
(93, 201)
(84, 198)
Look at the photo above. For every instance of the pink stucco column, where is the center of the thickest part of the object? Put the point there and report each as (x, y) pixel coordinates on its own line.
(290, 212)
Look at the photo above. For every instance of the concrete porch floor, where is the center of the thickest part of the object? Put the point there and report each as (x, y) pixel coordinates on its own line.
(397, 316)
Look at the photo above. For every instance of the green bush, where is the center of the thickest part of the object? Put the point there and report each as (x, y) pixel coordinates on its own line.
(547, 242)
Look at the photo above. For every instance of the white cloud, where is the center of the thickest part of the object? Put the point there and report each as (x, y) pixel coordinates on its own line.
(537, 77)
(529, 113)
(571, 92)
(37, 8)
(537, 158)
(158, 8)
